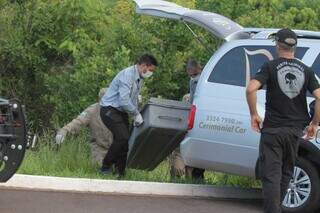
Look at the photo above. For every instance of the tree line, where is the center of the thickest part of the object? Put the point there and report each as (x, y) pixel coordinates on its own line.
(56, 55)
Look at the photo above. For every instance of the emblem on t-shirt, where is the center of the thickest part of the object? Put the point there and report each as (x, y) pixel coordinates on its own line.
(290, 78)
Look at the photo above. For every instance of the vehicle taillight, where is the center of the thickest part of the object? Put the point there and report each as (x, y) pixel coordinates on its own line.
(192, 115)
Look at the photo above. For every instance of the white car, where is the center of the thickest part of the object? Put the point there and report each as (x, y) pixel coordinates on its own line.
(220, 136)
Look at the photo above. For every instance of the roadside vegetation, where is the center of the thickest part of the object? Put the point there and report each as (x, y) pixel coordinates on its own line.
(56, 55)
(72, 159)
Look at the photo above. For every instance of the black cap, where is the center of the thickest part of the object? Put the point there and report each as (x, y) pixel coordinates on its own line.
(286, 36)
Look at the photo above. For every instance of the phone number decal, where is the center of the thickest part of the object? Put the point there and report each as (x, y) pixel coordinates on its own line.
(222, 124)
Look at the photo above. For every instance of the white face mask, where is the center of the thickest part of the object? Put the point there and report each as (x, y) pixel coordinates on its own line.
(147, 74)
(196, 78)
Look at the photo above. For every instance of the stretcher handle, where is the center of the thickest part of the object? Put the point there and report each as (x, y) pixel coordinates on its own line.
(169, 118)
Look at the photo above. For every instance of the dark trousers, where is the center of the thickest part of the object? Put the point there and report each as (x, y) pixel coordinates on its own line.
(198, 174)
(278, 153)
(118, 123)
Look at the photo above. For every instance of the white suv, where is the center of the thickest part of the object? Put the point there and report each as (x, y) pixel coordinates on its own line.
(220, 137)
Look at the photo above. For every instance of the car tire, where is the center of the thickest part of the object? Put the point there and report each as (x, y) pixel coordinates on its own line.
(306, 187)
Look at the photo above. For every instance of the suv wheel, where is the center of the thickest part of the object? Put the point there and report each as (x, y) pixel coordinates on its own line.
(304, 188)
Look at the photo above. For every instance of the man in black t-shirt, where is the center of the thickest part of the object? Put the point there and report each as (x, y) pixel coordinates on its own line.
(286, 115)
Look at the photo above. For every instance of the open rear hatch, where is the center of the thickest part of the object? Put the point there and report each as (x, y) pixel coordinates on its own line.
(216, 24)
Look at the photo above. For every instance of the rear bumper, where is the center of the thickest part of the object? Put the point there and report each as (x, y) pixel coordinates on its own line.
(212, 156)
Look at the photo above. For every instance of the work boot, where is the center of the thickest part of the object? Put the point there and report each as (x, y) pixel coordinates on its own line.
(120, 173)
(105, 170)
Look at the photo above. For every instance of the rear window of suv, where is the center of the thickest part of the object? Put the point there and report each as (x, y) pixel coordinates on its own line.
(244, 62)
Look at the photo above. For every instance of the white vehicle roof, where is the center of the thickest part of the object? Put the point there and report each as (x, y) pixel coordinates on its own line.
(216, 24)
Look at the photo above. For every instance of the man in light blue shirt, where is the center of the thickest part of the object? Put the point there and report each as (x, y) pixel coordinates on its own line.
(120, 101)
(124, 91)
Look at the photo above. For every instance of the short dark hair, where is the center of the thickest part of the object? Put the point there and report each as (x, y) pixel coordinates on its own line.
(286, 47)
(192, 63)
(148, 60)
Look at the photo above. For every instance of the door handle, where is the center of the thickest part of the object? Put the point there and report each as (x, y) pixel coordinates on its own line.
(169, 118)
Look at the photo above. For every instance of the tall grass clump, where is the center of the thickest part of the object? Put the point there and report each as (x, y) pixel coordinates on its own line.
(73, 159)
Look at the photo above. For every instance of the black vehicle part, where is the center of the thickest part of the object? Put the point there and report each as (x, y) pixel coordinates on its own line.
(13, 137)
(310, 152)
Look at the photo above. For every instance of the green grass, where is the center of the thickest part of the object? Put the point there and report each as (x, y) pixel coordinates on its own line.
(72, 159)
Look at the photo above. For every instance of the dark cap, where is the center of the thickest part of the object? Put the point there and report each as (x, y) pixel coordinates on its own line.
(286, 36)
